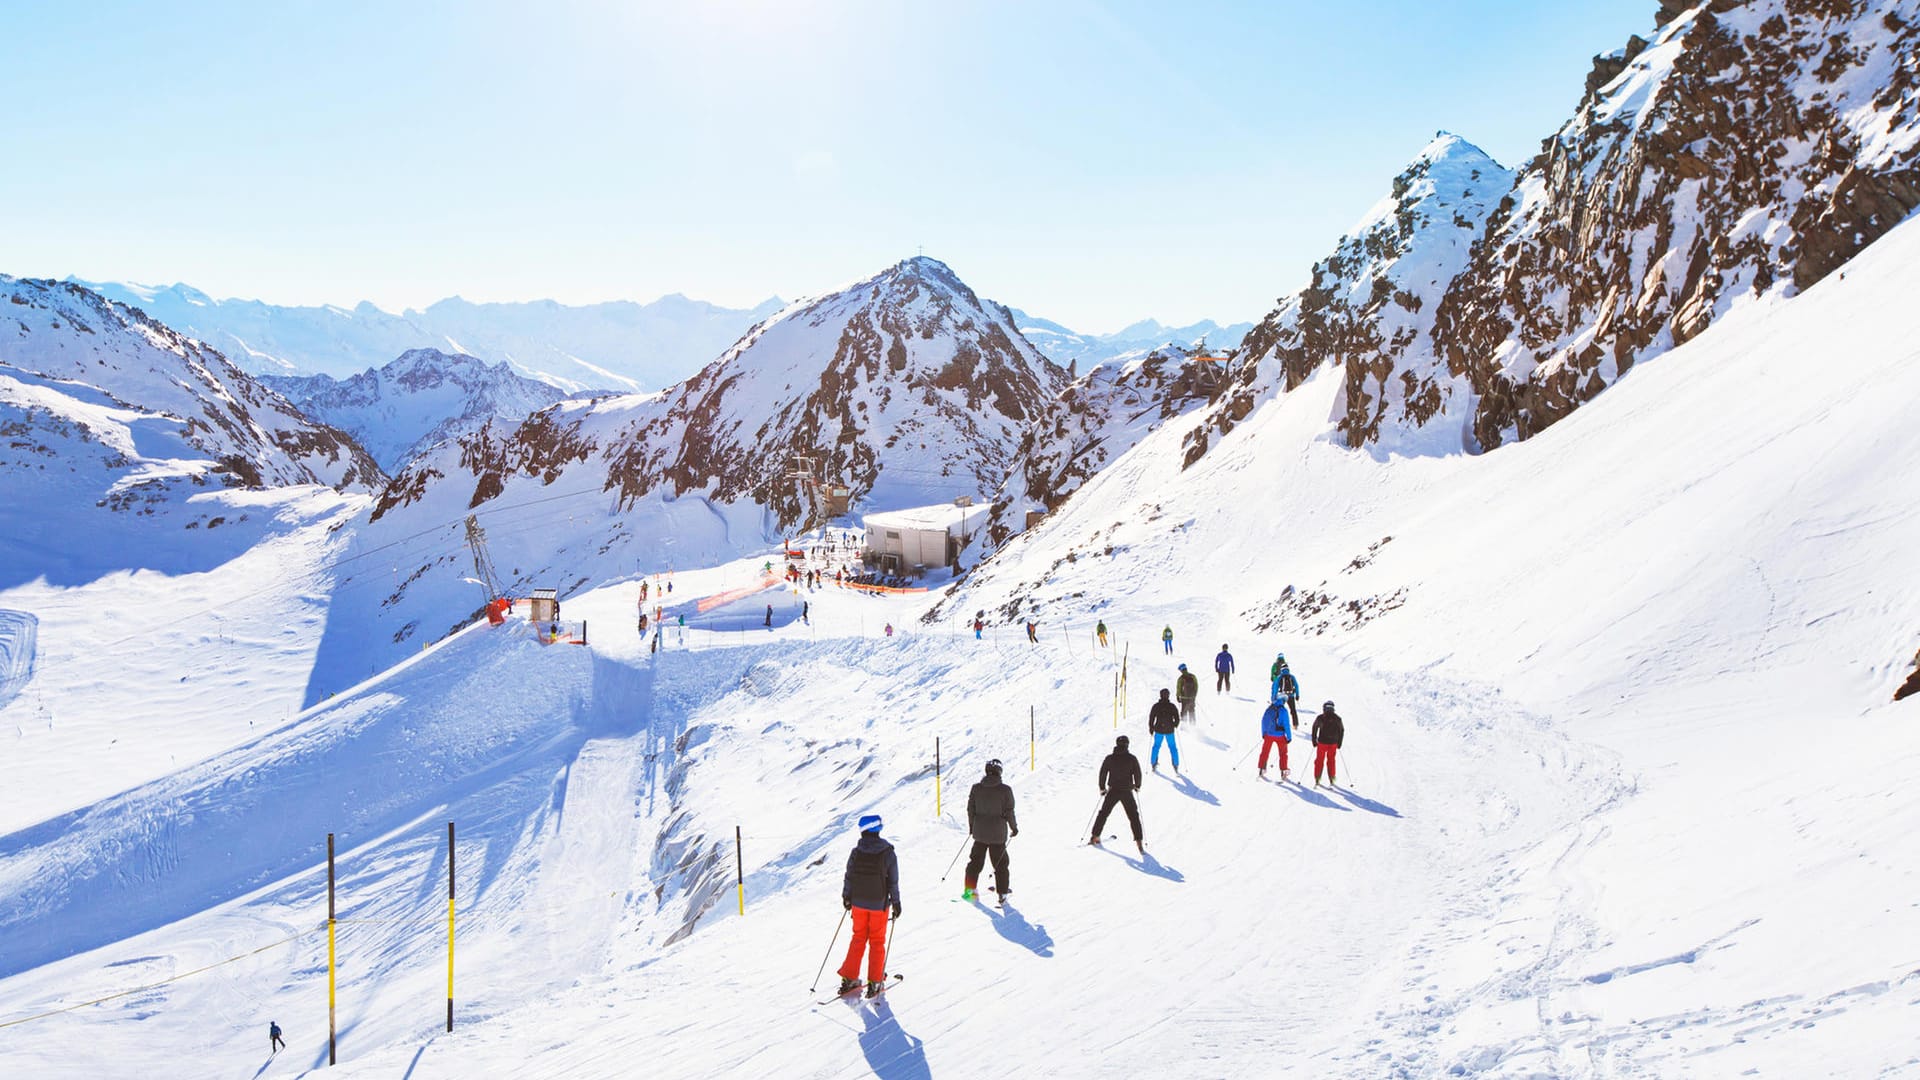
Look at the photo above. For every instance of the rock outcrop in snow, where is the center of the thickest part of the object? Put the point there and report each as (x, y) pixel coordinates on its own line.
(422, 398)
(906, 387)
(83, 378)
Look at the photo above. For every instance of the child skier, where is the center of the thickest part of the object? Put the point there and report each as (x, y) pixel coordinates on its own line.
(869, 890)
(1119, 779)
(990, 822)
(1276, 731)
(1162, 719)
(1329, 732)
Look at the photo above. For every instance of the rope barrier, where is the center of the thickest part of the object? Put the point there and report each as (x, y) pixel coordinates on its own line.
(162, 982)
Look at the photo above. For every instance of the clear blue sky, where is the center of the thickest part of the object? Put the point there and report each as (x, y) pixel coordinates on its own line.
(1095, 163)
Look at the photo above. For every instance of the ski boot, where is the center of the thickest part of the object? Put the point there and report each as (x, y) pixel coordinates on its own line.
(848, 986)
(1095, 841)
(969, 895)
(874, 988)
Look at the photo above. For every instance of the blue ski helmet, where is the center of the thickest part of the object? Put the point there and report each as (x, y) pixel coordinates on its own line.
(1183, 667)
(870, 823)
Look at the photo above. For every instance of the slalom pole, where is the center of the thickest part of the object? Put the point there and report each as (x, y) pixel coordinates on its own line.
(449, 926)
(829, 956)
(332, 1032)
(1032, 752)
(739, 871)
(956, 858)
(936, 776)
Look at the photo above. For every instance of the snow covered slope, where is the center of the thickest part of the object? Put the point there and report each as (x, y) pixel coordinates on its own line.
(121, 433)
(424, 397)
(1610, 761)
(620, 345)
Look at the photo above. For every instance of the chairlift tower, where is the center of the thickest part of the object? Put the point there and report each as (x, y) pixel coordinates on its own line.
(482, 561)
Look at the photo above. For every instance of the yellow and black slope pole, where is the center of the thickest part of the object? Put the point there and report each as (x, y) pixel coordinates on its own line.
(333, 1057)
(1032, 752)
(936, 776)
(739, 871)
(449, 926)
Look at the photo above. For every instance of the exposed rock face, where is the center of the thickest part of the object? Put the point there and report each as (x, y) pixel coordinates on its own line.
(906, 386)
(422, 398)
(1748, 150)
(1370, 308)
(1751, 148)
(81, 375)
(1098, 417)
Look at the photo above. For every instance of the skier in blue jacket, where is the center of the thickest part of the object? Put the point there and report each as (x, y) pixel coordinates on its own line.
(1276, 730)
(1223, 671)
(1286, 688)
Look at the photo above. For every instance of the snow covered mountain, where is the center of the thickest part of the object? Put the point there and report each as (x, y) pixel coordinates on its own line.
(1069, 348)
(1748, 150)
(906, 387)
(111, 419)
(620, 345)
(424, 397)
(1371, 304)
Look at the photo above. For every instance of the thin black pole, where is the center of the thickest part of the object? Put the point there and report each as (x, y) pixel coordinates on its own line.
(449, 926)
(333, 1057)
(739, 870)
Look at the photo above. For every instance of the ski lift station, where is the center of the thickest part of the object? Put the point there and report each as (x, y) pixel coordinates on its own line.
(910, 541)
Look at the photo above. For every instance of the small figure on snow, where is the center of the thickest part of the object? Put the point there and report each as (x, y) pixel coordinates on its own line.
(643, 624)
(1329, 732)
(275, 1043)
(990, 822)
(1033, 631)
(979, 624)
(805, 607)
(1276, 731)
(870, 889)
(889, 629)
(1166, 639)
(1101, 631)
(1162, 719)
(1186, 688)
(1119, 779)
(1223, 670)
(769, 620)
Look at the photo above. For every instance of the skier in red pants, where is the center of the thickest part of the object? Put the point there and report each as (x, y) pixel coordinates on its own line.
(1328, 733)
(871, 887)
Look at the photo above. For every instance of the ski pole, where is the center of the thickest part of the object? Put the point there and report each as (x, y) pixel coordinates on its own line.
(830, 943)
(1096, 813)
(956, 858)
(1245, 756)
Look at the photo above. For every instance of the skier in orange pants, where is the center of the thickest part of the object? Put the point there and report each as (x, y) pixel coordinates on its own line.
(870, 890)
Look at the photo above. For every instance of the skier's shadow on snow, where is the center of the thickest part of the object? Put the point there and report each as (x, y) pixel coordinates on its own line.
(1309, 795)
(1192, 790)
(1013, 926)
(1367, 804)
(891, 1053)
(1146, 864)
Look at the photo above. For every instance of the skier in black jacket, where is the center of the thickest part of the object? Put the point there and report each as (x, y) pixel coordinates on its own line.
(1328, 733)
(990, 821)
(1161, 720)
(869, 890)
(1119, 779)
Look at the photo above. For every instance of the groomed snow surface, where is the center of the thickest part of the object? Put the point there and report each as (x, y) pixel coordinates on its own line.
(1625, 794)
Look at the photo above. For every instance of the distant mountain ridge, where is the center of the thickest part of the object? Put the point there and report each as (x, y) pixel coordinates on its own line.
(1081, 351)
(422, 398)
(619, 345)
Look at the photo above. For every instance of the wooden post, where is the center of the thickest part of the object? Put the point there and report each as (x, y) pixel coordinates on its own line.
(449, 926)
(739, 871)
(332, 1036)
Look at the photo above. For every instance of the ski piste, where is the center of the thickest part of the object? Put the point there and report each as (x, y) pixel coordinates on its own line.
(859, 993)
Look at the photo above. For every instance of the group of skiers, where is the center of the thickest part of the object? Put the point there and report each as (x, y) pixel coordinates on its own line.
(870, 889)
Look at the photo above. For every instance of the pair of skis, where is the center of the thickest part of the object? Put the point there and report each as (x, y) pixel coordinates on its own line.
(854, 993)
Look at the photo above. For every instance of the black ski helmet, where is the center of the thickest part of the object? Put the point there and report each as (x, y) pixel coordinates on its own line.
(1120, 742)
(1328, 706)
(994, 766)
